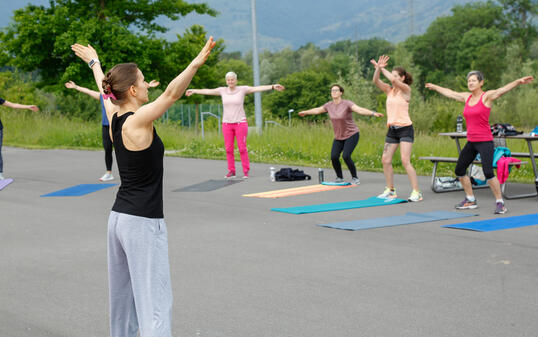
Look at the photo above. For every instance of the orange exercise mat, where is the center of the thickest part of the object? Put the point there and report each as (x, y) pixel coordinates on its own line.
(296, 191)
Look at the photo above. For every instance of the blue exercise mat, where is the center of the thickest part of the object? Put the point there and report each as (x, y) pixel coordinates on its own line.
(337, 206)
(78, 190)
(332, 183)
(498, 223)
(408, 218)
(5, 182)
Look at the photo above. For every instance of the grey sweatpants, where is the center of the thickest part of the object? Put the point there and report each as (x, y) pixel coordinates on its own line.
(139, 276)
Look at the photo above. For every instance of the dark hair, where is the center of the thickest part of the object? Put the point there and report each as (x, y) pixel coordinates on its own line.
(119, 79)
(339, 87)
(478, 74)
(402, 72)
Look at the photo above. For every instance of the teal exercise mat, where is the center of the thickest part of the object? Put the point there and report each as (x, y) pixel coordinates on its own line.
(338, 206)
(498, 223)
(5, 182)
(208, 186)
(332, 183)
(78, 190)
(406, 219)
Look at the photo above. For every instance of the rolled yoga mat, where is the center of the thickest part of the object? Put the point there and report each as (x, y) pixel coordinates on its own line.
(406, 219)
(499, 223)
(78, 190)
(296, 191)
(337, 206)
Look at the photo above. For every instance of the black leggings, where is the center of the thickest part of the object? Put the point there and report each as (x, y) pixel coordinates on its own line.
(468, 154)
(107, 145)
(347, 146)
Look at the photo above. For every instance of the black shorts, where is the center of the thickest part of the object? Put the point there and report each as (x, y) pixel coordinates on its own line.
(397, 134)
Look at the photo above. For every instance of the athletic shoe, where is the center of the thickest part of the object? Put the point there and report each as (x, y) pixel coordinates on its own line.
(245, 176)
(415, 196)
(355, 181)
(339, 180)
(467, 204)
(1, 177)
(106, 177)
(230, 175)
(388, 194)
(500, 208)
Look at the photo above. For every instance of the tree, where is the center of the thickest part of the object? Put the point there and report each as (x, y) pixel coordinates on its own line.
(521, 28)
(304, 90)
(40, 37)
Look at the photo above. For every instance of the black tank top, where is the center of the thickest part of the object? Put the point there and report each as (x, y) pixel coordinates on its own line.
(141, 174)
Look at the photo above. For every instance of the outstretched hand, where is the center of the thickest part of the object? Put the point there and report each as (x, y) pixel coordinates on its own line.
(377, 114)
(429, 86)
(189, 92)
(153, 83)
(204, 53)
(70, 85)
(86, 53)
(526, 80)
(33, 107)
(279, 87)
(302, 113)
(383, 61)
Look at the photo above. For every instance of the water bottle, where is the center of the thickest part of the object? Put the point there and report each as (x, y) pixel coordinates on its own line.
(272, 172)
(459, 124)
(320, 175)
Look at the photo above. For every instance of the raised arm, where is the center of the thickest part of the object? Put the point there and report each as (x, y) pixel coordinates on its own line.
(492, 95)
(315, 111)
(378, 66)
(150, 112)
(458, 96)
(89, 92)
(406, 90)
(87, 54)
(20, 106)
(365, 112)
(261, 88)
(212, 92)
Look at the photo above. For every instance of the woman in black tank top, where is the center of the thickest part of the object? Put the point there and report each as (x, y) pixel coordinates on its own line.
(139, 272)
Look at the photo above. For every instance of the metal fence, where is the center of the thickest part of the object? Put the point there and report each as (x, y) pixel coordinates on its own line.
(185, 114)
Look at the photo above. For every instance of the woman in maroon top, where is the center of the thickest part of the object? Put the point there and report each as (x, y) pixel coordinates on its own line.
(479, 139)
(346, 132)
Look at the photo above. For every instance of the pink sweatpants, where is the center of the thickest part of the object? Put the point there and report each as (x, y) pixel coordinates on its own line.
(239, 131)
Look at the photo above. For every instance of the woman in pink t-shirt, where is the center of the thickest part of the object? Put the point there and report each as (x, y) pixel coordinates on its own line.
(346, 132)
(400, 128)
(234, 120)
(479, 139)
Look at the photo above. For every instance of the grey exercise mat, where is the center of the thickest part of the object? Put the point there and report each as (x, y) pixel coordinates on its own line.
(207, 186)
(406, 219)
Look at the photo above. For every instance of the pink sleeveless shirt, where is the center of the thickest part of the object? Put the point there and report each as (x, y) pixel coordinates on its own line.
(477, 119)
(397, 110)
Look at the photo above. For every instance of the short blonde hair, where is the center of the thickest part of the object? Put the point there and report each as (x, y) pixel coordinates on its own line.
(231, 74)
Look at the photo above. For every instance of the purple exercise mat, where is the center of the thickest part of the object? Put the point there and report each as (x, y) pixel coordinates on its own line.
(5, 182)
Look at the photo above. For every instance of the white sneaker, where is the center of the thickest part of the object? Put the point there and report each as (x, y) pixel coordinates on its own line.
(1, 177)
(415, 196)
(388, 194)
(339, 180)
(106, 177)
(355, 181)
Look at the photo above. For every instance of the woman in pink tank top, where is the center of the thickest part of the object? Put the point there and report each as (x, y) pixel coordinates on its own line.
(400, 128)
(479, 139)
(234, 120)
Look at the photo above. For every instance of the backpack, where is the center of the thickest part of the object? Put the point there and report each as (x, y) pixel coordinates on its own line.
(289, 174)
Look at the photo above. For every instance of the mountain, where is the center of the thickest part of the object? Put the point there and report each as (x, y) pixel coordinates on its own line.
(293, 23)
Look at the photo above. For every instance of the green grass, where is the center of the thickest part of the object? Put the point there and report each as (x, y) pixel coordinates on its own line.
(303, 144)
